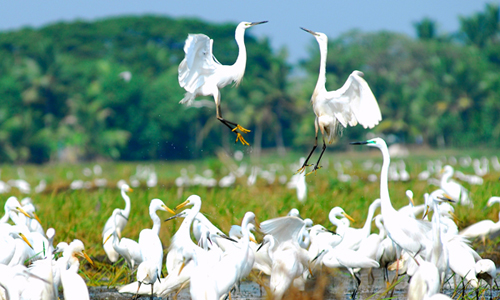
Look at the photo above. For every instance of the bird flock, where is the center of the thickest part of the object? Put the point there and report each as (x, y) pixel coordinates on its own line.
(292, 250)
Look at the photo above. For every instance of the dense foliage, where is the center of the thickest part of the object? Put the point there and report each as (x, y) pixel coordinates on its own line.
(62, 96)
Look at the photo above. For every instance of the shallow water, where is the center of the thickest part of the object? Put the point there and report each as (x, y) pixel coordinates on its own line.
(340, 286)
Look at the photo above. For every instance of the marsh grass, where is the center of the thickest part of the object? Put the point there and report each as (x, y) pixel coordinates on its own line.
(81, 214)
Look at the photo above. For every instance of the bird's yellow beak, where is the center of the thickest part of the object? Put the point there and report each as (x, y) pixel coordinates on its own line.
(107, 238)
(84, 255)
(252, 239)
(411, 200)
(347, 216)
(426, 212)
(37, 218)
(310, 31)
(182, 268)
(130, 190)
(455, 217)
(182, 205)
(23, 212)
(25, 240)
(168, 209)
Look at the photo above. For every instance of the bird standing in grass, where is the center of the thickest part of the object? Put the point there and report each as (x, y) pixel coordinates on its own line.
(353, 103)
(201, 74)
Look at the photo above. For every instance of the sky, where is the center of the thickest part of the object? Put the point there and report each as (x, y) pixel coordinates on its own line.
(332, 17)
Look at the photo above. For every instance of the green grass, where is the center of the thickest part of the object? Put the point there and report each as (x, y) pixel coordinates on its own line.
(81, 214)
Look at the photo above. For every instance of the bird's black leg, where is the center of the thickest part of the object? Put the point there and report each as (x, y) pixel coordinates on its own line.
(233, 126)
(357, 283)
(137, 294)
(316, 166)
(304, 165)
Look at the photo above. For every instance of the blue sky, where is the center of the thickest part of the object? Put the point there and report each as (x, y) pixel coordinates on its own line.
(332, 17)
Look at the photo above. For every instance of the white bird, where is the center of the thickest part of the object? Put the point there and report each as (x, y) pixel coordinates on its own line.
(425, 284)
(352, 237)
(407, 233)
(127, 248)
(114, 223)
(485, 269)
(483, 228)
(289, 261)
(149, 240)
(200, 74)
(353, 103)
(298, 182)
(453, 189)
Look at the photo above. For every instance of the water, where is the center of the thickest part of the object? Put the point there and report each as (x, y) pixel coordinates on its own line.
(340, 286)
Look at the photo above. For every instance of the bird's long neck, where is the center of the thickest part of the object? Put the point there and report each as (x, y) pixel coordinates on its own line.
(320, 84)
(240, 63)
(156, 221)
(436, 228)
(245, 240)
(368, 222)
(188, 220)
(126, 210)
(386, 205)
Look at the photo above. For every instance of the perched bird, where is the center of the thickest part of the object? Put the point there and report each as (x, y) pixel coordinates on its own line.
(113, 223)
(200, 74)
(453, 189)
(353, 103)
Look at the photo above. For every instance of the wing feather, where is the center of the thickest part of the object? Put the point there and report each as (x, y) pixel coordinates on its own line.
(198, 62)
(283, 228)
(355, 103)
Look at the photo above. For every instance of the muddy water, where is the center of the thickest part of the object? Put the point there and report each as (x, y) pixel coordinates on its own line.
(340, 286)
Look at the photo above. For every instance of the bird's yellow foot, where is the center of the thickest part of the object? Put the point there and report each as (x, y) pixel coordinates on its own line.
(241, 139)
(240, 128)
(302, 169)
(314, 170)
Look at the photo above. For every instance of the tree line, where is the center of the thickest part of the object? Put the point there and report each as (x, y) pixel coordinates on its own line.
(65, 92)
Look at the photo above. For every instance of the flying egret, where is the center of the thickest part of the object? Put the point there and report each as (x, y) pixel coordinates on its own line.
(112, 223)
(353, 103)
(201, 74)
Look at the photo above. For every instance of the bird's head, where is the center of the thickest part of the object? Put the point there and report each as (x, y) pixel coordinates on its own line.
(191, 200)
(321, 37)
(376, 142)
(126, 188)
(246, 25)
(157, 204)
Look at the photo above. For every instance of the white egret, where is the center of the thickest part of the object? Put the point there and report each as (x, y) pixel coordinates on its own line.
(127, 248)
(289, 261)
(120, 222)
(483, 228)
(149, 240)
(453, 189)
(424, 284)
(406, 232)
(353, 103)
(485, 269)
(352, 237)
(200, 74)
(346, 258)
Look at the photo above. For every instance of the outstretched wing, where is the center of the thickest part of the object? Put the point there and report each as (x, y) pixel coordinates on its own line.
(355, 103)
(283, 228)
(198, 63)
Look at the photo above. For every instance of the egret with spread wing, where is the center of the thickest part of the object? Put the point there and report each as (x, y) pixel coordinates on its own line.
(353, 103)
(200, 74)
